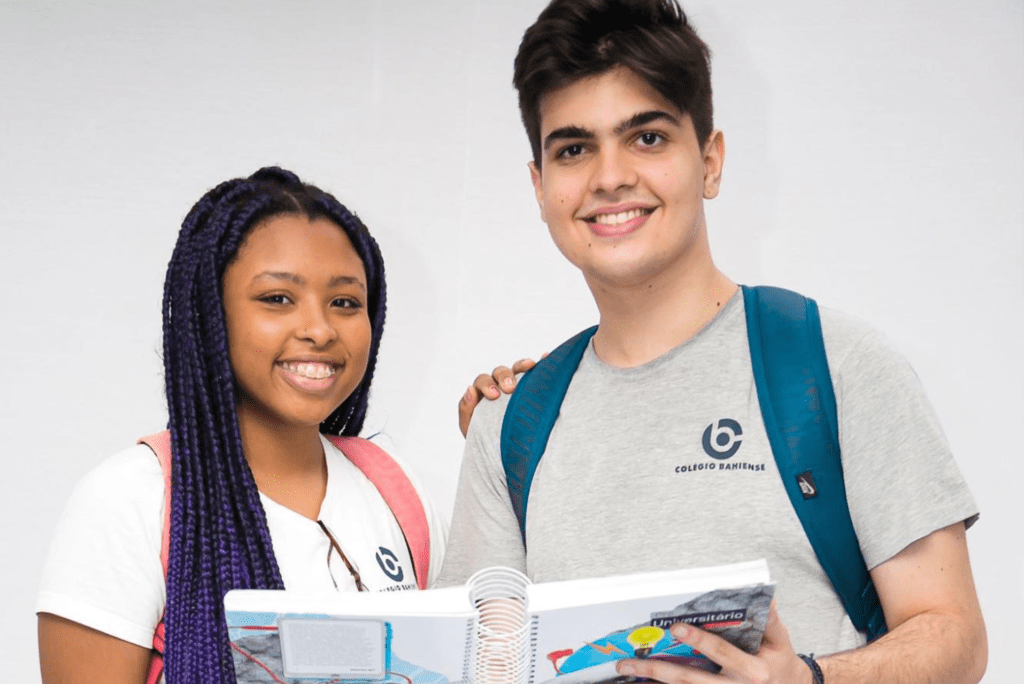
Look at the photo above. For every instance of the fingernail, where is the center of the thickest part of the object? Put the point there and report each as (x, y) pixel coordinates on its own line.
(492, 389)
(507, 382)
(680, 630)
(468, 396)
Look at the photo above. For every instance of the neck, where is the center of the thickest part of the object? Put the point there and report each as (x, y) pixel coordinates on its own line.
(287, 461)
(641, 322)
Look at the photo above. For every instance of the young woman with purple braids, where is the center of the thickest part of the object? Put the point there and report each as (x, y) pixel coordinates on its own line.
(273, 308)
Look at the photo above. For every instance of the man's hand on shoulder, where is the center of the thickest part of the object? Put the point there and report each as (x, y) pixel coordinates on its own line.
(502, 379)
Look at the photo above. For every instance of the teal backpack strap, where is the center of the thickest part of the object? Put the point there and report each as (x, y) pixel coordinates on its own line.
(798, 405)
(531, 413)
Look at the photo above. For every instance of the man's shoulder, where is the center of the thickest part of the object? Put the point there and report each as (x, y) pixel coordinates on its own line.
(488, 416)
(847, 336)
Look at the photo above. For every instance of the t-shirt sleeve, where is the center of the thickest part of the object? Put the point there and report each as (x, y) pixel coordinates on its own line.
(484, 530)
(103, 569)
(902, 481)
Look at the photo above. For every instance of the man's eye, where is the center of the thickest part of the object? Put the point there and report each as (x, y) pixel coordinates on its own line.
(649, 139)
(570, 151)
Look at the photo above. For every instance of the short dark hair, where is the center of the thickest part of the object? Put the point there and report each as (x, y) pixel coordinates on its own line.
(574, 39)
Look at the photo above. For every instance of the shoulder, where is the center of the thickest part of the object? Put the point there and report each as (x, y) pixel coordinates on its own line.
(129, 482)
(103, 569)
(349, 454)
(855, 348)
(489, 414)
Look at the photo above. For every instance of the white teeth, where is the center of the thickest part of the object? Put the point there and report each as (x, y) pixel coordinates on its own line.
(621, 217)
(314, 371)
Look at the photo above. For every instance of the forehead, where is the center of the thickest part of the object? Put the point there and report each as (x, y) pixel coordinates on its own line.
(601, 102)
(294, 243)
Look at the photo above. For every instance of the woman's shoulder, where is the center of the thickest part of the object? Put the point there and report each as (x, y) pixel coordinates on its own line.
(133, 472)
(103, 569)
(360, 455)
(121, 498)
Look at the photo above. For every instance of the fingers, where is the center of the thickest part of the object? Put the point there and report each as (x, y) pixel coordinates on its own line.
(775, 662)
(731, 658)
(736, 664)
(503, 377)
(466, 405)
(775, 633)
(483, 387)
(523, 365)
(662, 671)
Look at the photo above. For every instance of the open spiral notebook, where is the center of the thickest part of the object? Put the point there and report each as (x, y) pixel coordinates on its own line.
(499, 627)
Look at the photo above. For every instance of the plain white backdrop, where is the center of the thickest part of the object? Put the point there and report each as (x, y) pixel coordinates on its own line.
(875, 160)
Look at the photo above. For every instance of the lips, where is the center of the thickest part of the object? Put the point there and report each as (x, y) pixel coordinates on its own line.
(309, 376)
(618, 221)
(619, 218)
(311, 370)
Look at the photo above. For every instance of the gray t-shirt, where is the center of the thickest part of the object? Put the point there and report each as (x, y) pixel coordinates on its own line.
(629, 483)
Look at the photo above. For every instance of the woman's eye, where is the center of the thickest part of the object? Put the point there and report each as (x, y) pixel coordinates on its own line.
(275, 299)
(347, 303)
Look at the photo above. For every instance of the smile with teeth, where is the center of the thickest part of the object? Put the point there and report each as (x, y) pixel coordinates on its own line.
(619, 218)
(314, 371)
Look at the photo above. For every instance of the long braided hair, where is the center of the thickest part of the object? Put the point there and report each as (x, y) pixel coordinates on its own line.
(219, 538)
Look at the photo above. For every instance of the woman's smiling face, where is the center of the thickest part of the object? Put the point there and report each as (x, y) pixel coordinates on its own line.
(295, 304)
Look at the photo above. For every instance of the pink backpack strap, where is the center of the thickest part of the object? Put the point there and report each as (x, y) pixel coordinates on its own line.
(160, 443)
(399, 494)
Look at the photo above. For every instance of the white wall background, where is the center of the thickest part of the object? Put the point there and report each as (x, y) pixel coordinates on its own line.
(874, 161)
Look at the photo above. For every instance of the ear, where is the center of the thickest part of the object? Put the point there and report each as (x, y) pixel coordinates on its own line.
(714, 159)
(537, 189)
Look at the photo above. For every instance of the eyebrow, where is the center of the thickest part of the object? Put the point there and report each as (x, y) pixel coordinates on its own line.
(567, 133)
(644, 118)
(636, 121)
(299, 280)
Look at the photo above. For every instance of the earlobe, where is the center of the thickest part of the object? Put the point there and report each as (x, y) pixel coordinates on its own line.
(537, 189)
(714, 160)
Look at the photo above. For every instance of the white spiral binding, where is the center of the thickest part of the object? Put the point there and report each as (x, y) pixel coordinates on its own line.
(503, 634)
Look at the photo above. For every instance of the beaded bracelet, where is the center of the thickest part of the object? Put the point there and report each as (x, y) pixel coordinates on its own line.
(819, 678)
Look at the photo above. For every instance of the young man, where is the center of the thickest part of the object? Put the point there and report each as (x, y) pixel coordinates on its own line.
(616, 100)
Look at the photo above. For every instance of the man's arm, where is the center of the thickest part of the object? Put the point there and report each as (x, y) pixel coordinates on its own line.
(936, 631)
(484, 529)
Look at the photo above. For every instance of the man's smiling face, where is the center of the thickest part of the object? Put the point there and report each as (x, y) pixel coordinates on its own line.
(623, 180)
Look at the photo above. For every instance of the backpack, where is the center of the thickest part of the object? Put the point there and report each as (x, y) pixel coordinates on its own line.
(798, 406)
(375, 463)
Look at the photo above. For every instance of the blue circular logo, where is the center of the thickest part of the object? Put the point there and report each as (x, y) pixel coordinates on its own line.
(722, 439)
(388, 562)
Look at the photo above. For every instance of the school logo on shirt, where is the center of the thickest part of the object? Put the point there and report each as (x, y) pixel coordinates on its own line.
(722, 439)
(388, 562)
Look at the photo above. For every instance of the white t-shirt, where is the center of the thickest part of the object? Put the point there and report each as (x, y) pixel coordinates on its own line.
(103, 570)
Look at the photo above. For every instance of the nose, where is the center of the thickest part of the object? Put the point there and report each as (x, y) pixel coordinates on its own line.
(613, 170)
(316, 326)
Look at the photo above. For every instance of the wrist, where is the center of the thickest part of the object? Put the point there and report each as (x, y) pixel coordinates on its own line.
(816, 676)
